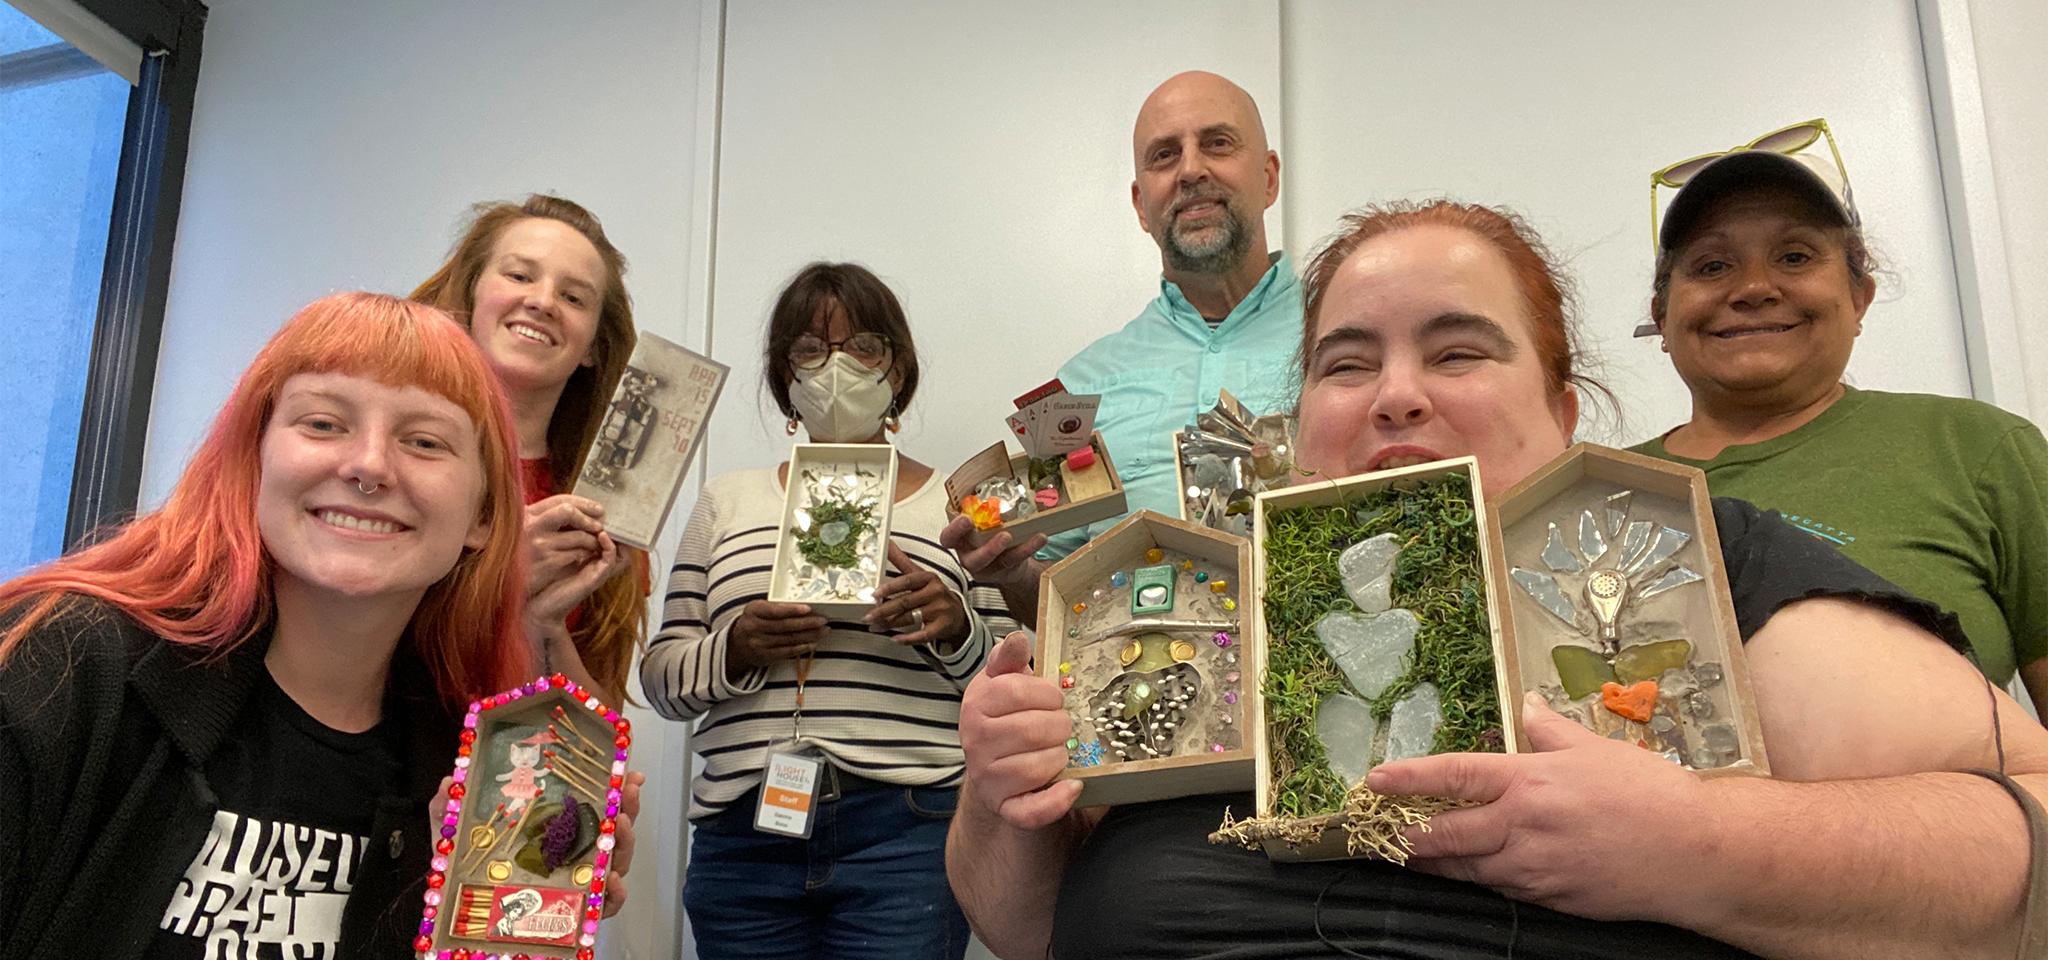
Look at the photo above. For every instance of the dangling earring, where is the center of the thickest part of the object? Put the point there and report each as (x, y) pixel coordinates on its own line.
(890, 419)
(790, 428)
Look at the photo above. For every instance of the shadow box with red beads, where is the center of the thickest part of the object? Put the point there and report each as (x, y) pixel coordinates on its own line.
(526, 841)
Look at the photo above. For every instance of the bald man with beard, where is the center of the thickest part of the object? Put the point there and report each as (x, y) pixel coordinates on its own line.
(1228, 314)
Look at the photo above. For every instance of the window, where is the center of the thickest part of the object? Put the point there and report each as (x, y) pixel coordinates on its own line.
(64, 115)
(96, 103)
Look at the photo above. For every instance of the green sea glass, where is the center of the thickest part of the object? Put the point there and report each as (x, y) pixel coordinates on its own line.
(1580, 670)
(1648, 661)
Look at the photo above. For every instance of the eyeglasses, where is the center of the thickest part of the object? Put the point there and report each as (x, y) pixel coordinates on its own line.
(1786, 141)
(809, 351)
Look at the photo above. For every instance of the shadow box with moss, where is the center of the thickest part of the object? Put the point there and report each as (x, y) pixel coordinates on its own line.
(1375, 640)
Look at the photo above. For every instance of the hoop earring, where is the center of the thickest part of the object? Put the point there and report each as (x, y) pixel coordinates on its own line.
(890, 420)
(790, 427)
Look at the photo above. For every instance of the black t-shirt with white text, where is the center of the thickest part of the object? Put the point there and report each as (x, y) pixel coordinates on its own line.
(296, 803)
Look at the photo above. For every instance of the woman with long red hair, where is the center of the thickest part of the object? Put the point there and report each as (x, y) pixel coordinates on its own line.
(543, 293)
(221, 725)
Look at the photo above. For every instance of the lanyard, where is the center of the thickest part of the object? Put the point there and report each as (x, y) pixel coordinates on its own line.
(796, 719)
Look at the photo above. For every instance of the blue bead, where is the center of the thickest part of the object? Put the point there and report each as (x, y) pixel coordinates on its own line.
(1120, 579)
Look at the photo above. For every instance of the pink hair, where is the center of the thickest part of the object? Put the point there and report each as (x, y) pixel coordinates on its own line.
(196, 572)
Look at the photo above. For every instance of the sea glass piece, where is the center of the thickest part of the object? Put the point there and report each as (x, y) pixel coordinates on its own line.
(1543, 588)
(1648, 661)
(1580, 670)
(1617, 511)
(834, 533)
(1372, 651)
(1345, 725)
(1368, 571)
(1592, 544)
(1559, 557)
(1699, 706)
(1668, 542)
(1141, 696)
(1635, 542)
(1707, 674)
(1412, 728)
(1721, 740)
(1676, 577)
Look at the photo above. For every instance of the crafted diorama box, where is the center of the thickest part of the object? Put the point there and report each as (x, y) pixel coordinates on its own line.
(525, 847)
(1401, 615)
(835, 527)
(1143, 630)
(1619, 611)
(1228, 456)
(1063, 479)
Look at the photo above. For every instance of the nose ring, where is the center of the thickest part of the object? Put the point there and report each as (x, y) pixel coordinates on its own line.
(367, 487)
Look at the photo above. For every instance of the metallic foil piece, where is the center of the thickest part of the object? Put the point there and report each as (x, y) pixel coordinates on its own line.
(1559, 557)
(1229, 456)
(1668, 543)
(1592, 545)
(1617, 511)
(1542, 587)
(1678, 577)
(1635, 542)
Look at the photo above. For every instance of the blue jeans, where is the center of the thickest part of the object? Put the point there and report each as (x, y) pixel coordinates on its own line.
(869, 883)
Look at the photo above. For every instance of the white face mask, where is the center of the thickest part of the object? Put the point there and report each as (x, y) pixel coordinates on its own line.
(842, 401)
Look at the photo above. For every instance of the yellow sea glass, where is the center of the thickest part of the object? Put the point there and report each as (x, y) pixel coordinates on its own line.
(1648, 661)
(1580, 670)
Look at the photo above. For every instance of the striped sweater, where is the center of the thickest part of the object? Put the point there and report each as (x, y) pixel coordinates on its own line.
(875, 707)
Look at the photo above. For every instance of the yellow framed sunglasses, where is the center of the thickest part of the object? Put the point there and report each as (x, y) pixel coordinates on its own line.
(1784, 140)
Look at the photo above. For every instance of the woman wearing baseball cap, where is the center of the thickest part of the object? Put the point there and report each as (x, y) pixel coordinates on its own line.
(1762, 282)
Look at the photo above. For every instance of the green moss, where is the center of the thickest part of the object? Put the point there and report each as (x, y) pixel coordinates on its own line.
(1437, 577)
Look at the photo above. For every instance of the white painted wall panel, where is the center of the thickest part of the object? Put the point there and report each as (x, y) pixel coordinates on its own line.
(976, 157)
(1561, 111)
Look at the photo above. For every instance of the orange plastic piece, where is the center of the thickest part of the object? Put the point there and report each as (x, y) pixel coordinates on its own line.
(986, 514)
(1635, 702)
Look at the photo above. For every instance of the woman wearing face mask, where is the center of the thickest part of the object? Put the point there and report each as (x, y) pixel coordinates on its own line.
(543, 293)
(880, 698)
(1762, 282)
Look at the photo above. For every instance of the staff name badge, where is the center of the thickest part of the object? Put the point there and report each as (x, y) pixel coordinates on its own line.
(789, 787)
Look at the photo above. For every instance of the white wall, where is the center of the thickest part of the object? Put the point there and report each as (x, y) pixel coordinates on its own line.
(2010, 35)
(978, 159)
(335, 145)
(1563, 118)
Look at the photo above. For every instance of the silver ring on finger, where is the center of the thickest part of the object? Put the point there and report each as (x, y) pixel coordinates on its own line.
(916, 619)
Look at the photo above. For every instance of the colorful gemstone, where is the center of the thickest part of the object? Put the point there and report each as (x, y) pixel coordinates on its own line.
(1120, 579)
(1154, 555)
(1066, 683)
(1187, 564)
(1202, 577)
(1099, 593)
(1230, 697)
(1222, 639)
(1078, 607)
(1217, 747)
(1073, 632)
(1229, 604)
(1073, 743)
(1067, 667)
(1218, 586)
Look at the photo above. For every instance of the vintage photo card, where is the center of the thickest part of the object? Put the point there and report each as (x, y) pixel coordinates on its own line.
(636, 465)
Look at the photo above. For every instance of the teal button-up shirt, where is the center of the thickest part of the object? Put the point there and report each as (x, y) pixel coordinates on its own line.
(1166, 366)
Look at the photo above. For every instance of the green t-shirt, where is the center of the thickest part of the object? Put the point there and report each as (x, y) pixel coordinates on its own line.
(1940, 495)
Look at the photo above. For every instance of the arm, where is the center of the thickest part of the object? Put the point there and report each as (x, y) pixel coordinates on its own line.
(2013, 487)
(1001, 563)
(1012, 833)
(569, 557)
(1862, 848)
(685, 670)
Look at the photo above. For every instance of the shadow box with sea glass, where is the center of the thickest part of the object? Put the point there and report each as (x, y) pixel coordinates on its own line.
(1142, 628)
(835, 527)
(1374, 638)
(525, 846)
(1618, 609)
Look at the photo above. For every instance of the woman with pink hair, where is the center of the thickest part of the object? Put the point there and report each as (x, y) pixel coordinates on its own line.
(221, 725)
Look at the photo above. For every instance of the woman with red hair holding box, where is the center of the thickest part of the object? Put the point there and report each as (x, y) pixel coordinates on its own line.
(220, 725)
